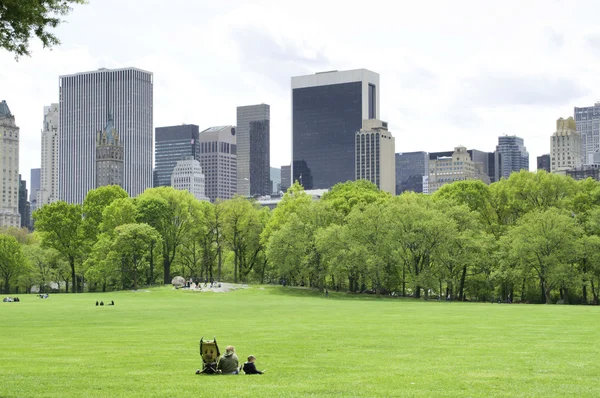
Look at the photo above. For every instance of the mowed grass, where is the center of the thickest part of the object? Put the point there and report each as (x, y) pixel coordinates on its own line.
(147, 346)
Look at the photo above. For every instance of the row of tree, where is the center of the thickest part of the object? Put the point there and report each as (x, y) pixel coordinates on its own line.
(534, 237)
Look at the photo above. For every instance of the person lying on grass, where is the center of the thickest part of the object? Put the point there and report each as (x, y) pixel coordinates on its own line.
(228, 364)
(250, 367)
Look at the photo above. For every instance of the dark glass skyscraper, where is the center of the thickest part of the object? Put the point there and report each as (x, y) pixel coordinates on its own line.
(327, 110)
(411, 167)
(543, 162)
(172, 144)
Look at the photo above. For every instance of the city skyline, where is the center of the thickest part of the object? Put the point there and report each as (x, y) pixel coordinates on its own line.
(439, 92)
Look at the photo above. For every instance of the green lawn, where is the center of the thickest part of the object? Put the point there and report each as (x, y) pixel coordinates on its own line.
(147, 346)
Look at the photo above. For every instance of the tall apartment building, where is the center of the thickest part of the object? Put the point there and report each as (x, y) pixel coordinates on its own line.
(34, 189)
(411, 167)
(48, 191)
(543, 163)
(172, 144)
(587, 121)
(286, 177)
(85, 101)
(328, 109)
(458, 167)
(375, 161)
(109, 156)
(514, 154)
(253, 150)
(9, 172)
(565, 146)
(218, 158)
(188, 176)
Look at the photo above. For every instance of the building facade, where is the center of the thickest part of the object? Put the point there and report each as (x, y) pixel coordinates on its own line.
(587, 121)
(565, 146)
(9, 159)
(584, 172)
(34, 189)
(514, 154)
(48, 191)
(286, 177)
(375, 160)
(219, 161)
(411, 167)
(109, 156)
(253, 150)
(85, 101)
(543, 162)
(188, 176)
(172, 144)
(490, 161)
(275, 180)
(458, 167)
(327, 110)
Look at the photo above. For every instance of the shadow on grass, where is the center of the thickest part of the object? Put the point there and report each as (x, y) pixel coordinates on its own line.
(292, 291)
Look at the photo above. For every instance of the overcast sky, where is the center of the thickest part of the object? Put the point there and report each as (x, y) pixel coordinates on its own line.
(452, 72)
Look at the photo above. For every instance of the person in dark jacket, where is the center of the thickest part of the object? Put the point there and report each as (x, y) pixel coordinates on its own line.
(250, 367)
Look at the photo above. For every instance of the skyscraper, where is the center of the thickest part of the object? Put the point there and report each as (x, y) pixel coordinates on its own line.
(587, 121)
(24, 205)
(9, 160)
(491, 162)
(327, 110)
(514, 154)
(543, 163)
(109, 156)
(172, 144)
(286, 177)
(275, 179)
(375, 161)
(565, 146)
(48, 191)
(34, 189)
(411, 167)
(253, 150)
(219, 161)
(86, 99)
(188, 176)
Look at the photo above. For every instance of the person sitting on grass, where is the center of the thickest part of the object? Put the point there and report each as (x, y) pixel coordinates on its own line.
(228, 364)
(250, 367)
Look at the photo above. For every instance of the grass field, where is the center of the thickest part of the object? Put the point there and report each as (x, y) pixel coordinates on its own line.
(147, 346)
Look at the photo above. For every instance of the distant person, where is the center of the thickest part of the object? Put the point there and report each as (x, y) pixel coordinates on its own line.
(96, 303)
(228, 364)
(326, 293)
(102, 303)
(448, 297)
(112, 303)
(16, 300)
(250, 367)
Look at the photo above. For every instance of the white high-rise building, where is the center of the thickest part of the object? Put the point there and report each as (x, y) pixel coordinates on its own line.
(565, 147)
(188, 176)
(375, 155)
(219, 161)
(9, 169)
(86, 100)
(48, 191)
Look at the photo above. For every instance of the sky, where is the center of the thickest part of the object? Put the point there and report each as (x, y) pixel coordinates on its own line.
(452, 73)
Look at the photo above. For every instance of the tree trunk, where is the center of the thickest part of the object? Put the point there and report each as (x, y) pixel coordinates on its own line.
(73, 278)
(584, 290)
(151, 263)
(418, 291)
(544, 301)
(167, 268)
(595, 293)
(6, 286)
(235, 266)
(547, 292)
(404, 280)
(462, 282)
(566, 295)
